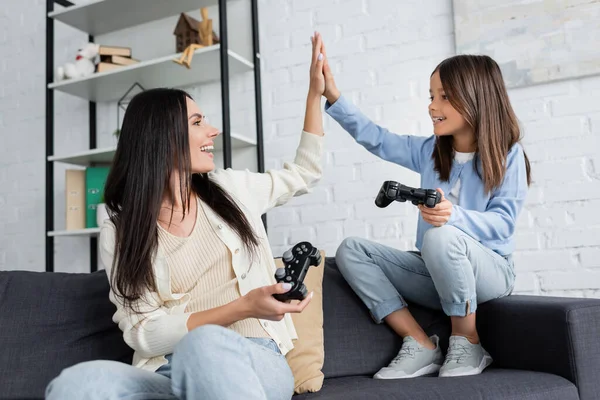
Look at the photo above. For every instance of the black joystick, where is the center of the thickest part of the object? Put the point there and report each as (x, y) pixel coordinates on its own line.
(394, 191)
(297, 261)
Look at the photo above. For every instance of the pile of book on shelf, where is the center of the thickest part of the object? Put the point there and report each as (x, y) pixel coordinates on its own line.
(112, 57)
(84, 190)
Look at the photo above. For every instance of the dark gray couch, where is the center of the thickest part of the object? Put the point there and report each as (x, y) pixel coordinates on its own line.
(544, 348)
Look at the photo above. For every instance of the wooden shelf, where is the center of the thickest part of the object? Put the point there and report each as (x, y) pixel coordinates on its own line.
(102, 16)
(105, 155)
(84, 158)
(76, 232)
(160, 72)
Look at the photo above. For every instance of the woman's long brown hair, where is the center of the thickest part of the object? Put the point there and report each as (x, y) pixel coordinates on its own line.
(153, 143)
(475, 88)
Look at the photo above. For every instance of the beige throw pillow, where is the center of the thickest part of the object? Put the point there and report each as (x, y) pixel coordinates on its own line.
(307, 358)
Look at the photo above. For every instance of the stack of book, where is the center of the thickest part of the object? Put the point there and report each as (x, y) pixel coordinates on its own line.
(84, 190)
(112, 57)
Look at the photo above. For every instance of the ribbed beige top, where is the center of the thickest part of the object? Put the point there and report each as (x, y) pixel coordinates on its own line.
(200, 265)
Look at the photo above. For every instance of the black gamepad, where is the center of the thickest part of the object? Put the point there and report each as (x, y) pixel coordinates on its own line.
(394, 191)
(297, 261)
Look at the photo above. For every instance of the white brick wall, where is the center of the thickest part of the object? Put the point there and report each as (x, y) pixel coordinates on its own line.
(21, 137)
(382, 52)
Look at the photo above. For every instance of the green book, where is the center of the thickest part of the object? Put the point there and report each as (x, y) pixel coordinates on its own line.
(95, 178)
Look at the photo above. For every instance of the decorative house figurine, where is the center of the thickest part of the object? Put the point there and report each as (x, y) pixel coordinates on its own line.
(186, 32)
(191, 34)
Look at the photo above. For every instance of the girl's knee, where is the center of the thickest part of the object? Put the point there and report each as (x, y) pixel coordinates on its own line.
(349, 250)
(442, 245)
(438, 240)
(349, 245)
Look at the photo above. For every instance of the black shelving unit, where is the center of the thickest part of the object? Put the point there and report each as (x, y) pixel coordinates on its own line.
(225, 103)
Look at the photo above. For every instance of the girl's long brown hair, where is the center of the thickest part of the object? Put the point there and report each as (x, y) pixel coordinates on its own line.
(475, 88)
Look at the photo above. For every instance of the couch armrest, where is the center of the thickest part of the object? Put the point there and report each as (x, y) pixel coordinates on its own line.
(547, 334)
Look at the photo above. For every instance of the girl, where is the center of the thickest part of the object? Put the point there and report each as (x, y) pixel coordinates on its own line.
(465, 243)
(189, 263)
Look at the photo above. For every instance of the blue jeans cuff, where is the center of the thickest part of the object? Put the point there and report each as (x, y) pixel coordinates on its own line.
(386, 307)
(460, 309)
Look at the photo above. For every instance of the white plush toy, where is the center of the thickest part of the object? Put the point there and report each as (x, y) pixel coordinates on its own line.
(84, 64)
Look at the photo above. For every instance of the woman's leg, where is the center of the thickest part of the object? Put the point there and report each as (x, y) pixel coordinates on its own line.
(383, 277)
(466, 274)
(212, 362)
(108, 380)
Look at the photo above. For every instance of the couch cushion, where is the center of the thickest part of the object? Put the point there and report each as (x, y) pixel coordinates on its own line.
(307, 357)
(51, 321)
(492, 384)
(354, 344)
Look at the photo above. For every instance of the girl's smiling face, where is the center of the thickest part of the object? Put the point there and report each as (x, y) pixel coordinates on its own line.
(446, 120)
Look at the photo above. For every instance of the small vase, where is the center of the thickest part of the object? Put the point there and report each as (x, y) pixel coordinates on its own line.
(101, 214)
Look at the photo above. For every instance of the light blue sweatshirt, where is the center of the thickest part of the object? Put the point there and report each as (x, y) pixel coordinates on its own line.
(489, 218)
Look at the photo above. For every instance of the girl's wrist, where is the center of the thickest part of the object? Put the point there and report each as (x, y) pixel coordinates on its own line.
(333, 95)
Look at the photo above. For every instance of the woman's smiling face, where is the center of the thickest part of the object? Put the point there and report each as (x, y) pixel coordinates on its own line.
(201, 137)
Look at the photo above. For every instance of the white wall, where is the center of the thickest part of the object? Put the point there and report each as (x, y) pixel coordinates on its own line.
(382, 52)
(21, 135)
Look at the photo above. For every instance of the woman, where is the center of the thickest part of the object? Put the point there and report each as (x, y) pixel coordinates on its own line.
(189, 262)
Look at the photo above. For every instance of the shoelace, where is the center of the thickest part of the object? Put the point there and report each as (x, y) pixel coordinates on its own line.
(407, 351)
(458, 352)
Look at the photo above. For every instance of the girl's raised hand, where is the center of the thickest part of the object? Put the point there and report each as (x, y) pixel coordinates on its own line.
(331, 91)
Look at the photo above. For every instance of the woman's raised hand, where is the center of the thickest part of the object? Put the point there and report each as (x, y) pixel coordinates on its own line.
(317, 78)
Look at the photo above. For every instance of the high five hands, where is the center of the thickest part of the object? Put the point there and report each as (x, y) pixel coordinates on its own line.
(322, 80)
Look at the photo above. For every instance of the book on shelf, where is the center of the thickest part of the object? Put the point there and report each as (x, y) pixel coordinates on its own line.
(113, 57)
(114, 51)
(84, 189)
(105, 66)
(95, 178)
(119, 60)
(75, 199)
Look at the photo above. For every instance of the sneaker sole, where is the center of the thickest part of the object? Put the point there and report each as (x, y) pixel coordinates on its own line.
(428, 370)
(485, 362)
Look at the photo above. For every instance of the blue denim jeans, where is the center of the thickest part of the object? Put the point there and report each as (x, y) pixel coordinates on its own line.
(210, 362)
(453, 272)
